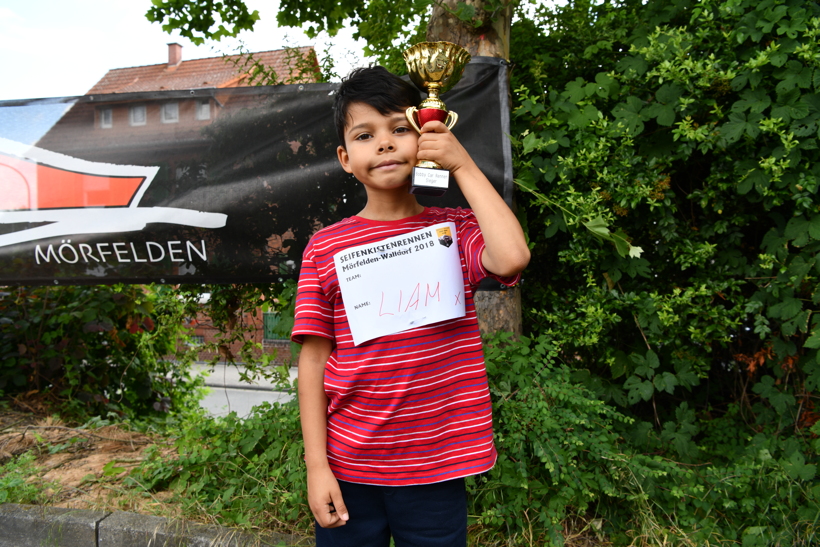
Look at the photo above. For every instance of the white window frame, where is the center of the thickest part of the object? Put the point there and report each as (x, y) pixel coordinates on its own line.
(133, 119)
(106, 118)
(203, 109)
(274, 318)
(195, 340)
(169, 112)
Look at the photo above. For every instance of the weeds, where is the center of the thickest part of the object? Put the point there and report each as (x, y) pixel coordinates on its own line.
(16, 484)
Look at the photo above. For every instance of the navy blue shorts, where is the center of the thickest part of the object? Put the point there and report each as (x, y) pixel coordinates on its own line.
(418, 516)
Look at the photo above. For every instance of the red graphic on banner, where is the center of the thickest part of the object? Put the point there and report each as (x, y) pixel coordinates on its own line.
(26, 185)
(67, 196)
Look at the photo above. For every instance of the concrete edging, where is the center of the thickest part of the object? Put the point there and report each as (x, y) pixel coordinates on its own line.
(43, 526)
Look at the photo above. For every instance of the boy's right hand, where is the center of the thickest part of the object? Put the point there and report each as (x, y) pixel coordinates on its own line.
(325, 498)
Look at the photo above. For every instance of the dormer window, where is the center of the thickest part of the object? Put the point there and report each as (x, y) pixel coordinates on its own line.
(203, 109)
(106, 118)
(137, 115)
(169, 113)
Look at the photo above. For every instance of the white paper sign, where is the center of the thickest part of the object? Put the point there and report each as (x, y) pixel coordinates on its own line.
(401, 283)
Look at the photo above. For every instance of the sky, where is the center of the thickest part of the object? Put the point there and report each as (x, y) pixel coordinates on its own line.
(61, 48)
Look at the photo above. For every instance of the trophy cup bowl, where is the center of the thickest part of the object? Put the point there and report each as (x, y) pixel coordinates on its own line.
(436, 64)
(435, 67)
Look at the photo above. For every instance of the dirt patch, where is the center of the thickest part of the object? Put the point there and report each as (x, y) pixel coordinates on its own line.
(86, 467)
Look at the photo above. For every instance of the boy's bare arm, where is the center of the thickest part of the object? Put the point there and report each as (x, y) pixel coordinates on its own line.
(506, 251)
(324, 495)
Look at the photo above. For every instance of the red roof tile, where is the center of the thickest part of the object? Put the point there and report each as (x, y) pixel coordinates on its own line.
(226, 71)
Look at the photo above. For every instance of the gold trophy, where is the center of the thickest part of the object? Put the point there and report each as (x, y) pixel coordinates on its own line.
(434, 67)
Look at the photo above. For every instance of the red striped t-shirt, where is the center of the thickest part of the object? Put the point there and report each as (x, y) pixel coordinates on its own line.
(406, 408)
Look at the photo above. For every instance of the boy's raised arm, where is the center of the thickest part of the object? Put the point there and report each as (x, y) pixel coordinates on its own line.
(324, 495)
(506, 251)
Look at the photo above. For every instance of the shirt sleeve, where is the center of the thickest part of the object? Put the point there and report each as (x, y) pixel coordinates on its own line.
(472, 245)
(314, 312)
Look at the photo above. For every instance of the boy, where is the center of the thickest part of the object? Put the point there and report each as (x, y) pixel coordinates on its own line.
(394, 418)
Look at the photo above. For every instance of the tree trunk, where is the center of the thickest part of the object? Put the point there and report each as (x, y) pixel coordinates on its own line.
(489, 39)
(497, 310)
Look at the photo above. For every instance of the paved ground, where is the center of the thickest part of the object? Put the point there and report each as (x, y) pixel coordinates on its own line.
(39, 526)
(229, 393)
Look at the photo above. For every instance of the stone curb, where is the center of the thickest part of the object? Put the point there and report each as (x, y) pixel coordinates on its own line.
(42, 526)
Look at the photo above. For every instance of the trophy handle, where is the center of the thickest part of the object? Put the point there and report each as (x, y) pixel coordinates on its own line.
(411, 117)
(452, 119)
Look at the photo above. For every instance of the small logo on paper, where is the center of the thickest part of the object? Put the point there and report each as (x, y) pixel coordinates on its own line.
(445, 236)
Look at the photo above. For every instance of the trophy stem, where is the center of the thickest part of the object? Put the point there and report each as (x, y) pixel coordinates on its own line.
(432, 100)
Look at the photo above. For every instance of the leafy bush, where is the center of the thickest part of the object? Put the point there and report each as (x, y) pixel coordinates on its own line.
(670, 154)
(245, 472)
(567, 457)
(558, 446)
(96, 349)
(713, 272)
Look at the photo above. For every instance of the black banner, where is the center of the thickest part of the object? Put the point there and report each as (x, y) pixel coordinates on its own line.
(199, 186)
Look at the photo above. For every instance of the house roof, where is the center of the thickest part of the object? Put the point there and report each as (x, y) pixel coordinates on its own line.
(212, 72)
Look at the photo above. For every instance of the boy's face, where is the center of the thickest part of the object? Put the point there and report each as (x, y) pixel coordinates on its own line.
(380, 151)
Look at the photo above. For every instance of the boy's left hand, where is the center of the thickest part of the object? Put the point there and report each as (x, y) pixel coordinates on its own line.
(438, 144)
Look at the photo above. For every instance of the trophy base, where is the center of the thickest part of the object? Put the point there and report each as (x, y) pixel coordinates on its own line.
(428, 181)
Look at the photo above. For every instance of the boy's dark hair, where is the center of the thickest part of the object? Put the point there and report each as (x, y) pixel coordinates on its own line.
(374, 86)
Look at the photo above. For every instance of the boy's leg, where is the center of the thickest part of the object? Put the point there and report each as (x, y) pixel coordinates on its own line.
(427, 515)
(367, 526)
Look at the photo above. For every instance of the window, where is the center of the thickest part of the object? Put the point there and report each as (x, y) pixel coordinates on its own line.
(137, 115)
(196, 341)
(106, 118)
(169, 113)
(203, 109)
(270, 321)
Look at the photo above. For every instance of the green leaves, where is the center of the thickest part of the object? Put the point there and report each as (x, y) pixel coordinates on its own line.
(638, 389)
(203, 20)
(96, 349)
(245, 472)
(797, 468)
(706, 155)
(111, 469)
(557, 442)
(640, 386)
(754, 100)
(786, 309)
(16, 485)
(740, 124)
(813, 341)
(781, 400)
(631, 115)
(600, 229)
(663, 110)
(632, 66)
(790, 106)
(801, 230)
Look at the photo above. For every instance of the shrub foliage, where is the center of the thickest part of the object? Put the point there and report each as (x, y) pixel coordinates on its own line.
(95, 350)
(245, 472)
(669, 156)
